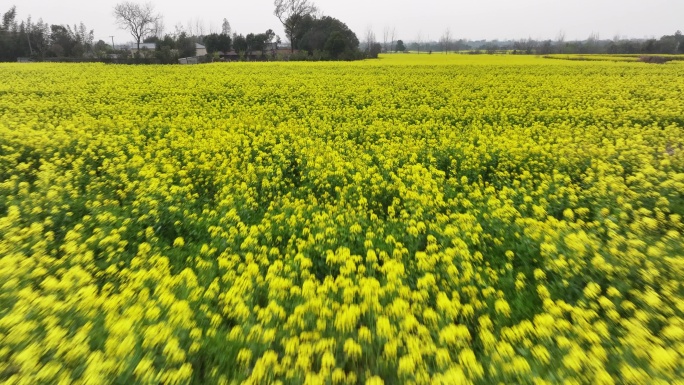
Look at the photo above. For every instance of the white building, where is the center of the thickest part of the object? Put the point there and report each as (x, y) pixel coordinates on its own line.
(143, 47)
(200, 50)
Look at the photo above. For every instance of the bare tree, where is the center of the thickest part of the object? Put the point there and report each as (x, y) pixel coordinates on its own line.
(139, 20)
(199, 27)
(159, 28)
(196, 27)
(445, 41)
(526, 46)
(291, 13)
(225, 27)
(393, 36)
(370, 38)
(560, 40)
(178, 30)
(419, 41)
(592, 43)
(385, 37)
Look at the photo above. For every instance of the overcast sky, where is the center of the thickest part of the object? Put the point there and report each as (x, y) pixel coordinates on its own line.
(412, 19)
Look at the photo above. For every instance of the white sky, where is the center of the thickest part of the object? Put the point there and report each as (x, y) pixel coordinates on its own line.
(474, 19)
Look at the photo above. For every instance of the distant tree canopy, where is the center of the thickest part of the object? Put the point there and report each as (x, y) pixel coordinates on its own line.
(39, 40)
(217, 43)
(140, 20)
(259, 42)
(292, 13)
(252, 42)
(67, 42)
(673, 44)
(185, 45)
(325, 34)
(239, 44)
(317, 37)
(374, 50)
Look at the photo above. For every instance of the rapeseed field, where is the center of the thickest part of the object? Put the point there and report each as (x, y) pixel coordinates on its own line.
(418, 219)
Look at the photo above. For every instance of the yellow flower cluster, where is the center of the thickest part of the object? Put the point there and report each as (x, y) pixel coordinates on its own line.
(417, 219)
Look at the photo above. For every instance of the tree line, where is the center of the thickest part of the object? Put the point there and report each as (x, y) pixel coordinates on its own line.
(312, 36)
(38, 39)
(667, 44)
